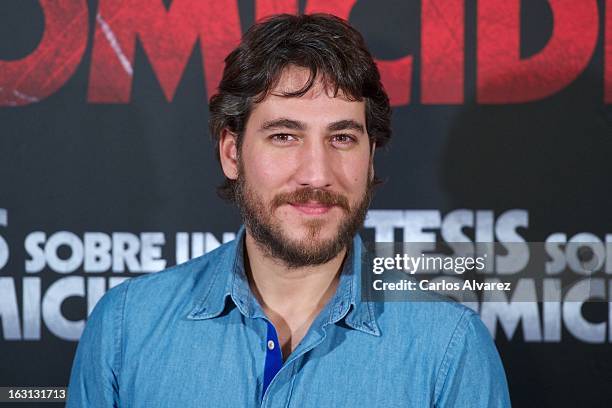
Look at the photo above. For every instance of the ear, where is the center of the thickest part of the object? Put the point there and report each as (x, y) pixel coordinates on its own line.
(373, 149)
(228, 154)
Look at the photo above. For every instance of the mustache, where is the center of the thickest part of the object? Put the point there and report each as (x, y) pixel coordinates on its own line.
(306, 194)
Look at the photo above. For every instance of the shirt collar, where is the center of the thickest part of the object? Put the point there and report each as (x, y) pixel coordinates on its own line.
(229, 280)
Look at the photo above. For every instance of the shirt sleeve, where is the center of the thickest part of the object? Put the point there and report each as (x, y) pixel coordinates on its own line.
(93, 379)
(471, 374)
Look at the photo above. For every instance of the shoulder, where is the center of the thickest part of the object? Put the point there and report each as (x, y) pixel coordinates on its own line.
(176, 288)
(178, 274)
(446, 335)
(431, 311)
(435, 323)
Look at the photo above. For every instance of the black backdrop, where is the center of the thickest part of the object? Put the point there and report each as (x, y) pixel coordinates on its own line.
(493, 112)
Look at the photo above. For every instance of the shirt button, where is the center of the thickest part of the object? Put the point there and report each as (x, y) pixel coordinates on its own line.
(270, 345)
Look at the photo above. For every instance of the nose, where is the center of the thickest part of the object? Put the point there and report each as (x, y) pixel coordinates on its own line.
(315, 165)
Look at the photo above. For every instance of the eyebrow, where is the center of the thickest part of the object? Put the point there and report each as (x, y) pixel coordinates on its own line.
(347, 124)
(285, 123)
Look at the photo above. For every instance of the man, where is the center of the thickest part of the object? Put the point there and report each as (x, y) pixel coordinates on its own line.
(275, 317)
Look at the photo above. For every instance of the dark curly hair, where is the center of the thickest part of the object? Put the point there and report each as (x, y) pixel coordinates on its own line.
(326, 45)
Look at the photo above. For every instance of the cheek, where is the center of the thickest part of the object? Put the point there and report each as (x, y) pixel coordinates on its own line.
(354, 173)
(266, 170)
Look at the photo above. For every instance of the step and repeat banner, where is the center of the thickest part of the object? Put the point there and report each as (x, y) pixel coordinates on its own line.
(502, 132)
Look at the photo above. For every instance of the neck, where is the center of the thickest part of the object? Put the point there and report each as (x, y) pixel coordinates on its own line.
(290, 297)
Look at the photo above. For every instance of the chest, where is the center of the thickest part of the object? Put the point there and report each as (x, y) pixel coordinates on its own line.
(221, 364)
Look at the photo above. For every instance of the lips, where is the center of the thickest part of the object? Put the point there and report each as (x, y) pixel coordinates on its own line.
(311, 208)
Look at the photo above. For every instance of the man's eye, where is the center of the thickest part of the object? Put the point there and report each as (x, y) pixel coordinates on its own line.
(343, 139)
(282, 138)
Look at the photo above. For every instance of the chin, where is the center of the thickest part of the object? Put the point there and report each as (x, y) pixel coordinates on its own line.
(315, 233)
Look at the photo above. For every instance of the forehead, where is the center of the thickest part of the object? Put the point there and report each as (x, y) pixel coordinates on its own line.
(317, 106)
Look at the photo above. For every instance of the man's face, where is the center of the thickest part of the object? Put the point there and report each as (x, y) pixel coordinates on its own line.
(304, 172)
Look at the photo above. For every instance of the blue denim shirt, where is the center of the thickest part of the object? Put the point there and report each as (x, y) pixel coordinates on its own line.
(195, 336)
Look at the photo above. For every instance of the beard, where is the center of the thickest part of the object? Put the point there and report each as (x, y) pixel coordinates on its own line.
(310, 250)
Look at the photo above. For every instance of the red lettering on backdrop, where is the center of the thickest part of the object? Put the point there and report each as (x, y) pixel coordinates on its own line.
(265, 8)
(168, 39)
(395, 74)
(442, 51)
(502, 77)
(54, 60)
(608, 54)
